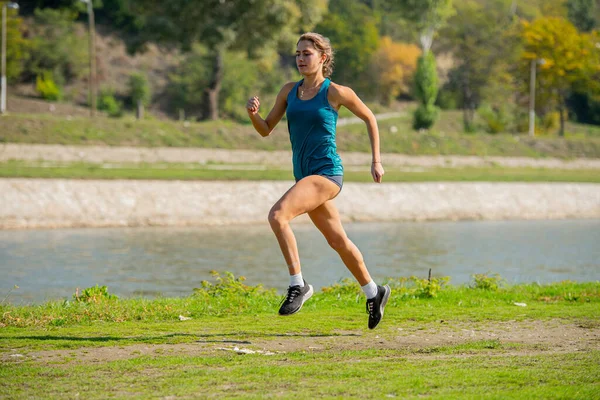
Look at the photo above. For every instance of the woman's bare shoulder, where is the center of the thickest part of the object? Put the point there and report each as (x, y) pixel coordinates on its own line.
(285, 90)
(339, 90)
(339, 95)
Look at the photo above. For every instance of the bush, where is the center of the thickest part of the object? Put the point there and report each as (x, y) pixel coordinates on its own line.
(94, 294)
(56, 46)
(228, 286)
(415, 287)
(549, 122)
(46, 87)
(487, 282)
(108, 103)
(425, 116)
(496, 120)
(139, 89)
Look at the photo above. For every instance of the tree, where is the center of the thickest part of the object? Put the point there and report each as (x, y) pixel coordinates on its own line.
(140, 93)
(583, 14)
(17, 47)
(426, 90)
(483, 38)
(392, 68)
(429, 16)
(352, 29)
(248, 25)
(568, 56)
(57, 47)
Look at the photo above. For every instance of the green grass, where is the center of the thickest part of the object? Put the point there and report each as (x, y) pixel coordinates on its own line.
(397, 136)
(371, 374)
(163, 171)
(325, 350)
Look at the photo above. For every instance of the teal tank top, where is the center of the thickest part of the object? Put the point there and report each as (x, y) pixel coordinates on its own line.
(311, 124)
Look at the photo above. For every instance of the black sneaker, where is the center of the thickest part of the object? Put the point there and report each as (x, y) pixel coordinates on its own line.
(376, 305)
(296, 296)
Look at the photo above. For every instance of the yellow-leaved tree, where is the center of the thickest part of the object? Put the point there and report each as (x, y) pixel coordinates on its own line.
(392, 68)
(563, 56)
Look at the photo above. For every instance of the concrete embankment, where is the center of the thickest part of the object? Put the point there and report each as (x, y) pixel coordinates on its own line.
(56, 203)
(107, 154)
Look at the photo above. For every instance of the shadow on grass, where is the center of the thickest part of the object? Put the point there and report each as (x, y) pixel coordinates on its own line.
(202, 338)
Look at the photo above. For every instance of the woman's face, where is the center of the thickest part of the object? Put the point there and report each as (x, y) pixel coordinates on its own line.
(308, 58)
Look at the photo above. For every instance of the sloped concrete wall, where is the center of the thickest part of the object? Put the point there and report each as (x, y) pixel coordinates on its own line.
(55, 203)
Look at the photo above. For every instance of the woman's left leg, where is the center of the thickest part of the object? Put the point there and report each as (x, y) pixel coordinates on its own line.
(327, 219)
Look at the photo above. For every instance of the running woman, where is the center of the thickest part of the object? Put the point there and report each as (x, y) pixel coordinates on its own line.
(311, 106)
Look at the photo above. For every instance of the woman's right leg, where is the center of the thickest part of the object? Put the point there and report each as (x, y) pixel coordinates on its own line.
(306, 195)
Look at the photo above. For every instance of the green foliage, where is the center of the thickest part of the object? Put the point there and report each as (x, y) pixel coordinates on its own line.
(139, 89)
(425, 116)
(496, 120)
(108, 103)
(17, 46)
(487, 282)
(94, 294)
(583, 14)
(488, 46)
(428, 15)
(415, 287)
(426, 80)
(227, 286)
(46, 87)
(57, 46)
(345, 287)
(570, 58)
(230, 297)
(242, 77)
(248, 25)
(426, 90)
(352, 29)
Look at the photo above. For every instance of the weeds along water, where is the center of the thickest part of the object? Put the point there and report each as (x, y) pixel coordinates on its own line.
(486, 296)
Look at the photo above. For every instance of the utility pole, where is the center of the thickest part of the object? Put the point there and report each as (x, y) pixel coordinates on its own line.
(3, 80)
(532, 79)
(92, 51)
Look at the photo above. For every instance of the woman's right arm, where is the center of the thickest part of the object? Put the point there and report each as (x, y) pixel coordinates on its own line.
(265, 126)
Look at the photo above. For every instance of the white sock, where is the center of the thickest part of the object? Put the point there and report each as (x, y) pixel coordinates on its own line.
(370, 289)
(297, 280)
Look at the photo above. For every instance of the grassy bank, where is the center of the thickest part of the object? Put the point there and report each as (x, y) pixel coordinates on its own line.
(396, 133)
(436, 340)
(173, 171)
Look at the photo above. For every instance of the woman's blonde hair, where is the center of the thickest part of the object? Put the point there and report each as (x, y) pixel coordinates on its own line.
(322, 44)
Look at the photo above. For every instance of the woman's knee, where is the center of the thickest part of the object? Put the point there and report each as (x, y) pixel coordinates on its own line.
(277, 218)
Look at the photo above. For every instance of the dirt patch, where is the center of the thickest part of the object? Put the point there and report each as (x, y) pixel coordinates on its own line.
(505, 339)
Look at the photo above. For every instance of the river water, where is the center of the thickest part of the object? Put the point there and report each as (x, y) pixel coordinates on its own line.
(150, 262)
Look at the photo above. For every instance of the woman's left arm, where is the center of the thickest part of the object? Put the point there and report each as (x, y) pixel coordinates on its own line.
(345, 96)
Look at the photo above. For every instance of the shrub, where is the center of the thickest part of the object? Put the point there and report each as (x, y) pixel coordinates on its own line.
(495, 120)
(487, 282)
(415, 287)
(139, 89)
(94, 294)
(425, 116)
(46, 87)
(108, 103)
(228, 285)
(56, 45)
